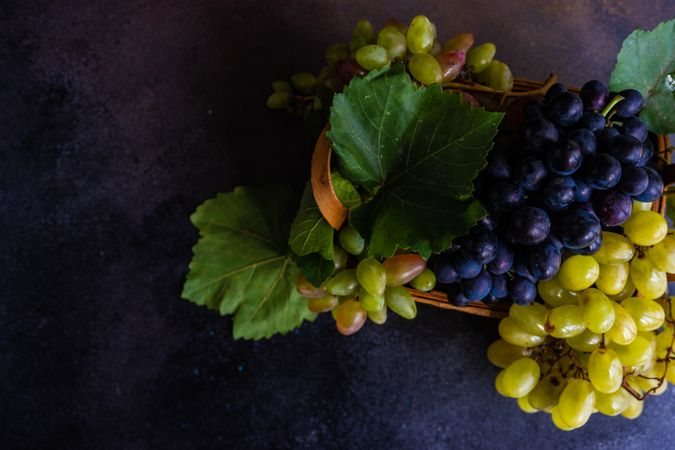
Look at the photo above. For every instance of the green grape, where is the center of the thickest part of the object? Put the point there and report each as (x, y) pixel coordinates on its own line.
(499, 387)
(605, 370)
(497, 75)
(611, 404)
(421, 35)
(650, 282)
(650, 381)
(578, 272)
(355, 43)
(615, 249)
(402, 269)
(335, 53)
(370, 302)
(554, 294)
(546, 393)
(524, 405)
(670, 373)
(278, 100)
(282, 86)
(425, 281)
(624, 330)
(351, 241)
(597, 310)
(662, 255)
(664, 340)
(372, 276)
(637, 353)
(565, 322)
(558, 421)
(379, 317)
(531, 318)
(634, 409)
(478, 58)
(501, 354)
(350, 317)
(400, 301)
(581, 358)
(613, 277)
(626, 292)
(435, 49)
(339, 257)
(307, 289)
(343, 283)
(304, 82)
(645, 228)
(576, 403)
(322, 304)
(363, 29)
(641, 206)
(461, 42)
(425, 69)
(648, 314)
(393, 41)
(585, 342)
(513, 334)
(520, 377)
(372, 57)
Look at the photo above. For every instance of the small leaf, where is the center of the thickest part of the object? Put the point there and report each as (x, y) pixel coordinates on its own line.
(241, 264)
(315, 268)
(310, 233)
(646, 63)
(345, 191)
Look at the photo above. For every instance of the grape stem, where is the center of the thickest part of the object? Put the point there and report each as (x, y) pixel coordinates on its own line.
(475, 87)
(612, 103)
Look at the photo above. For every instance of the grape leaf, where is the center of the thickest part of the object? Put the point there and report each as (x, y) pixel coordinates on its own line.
(315, 268)
(310, 232)
(345, 191)
(646, 63)
(241, 264)
(418, 150)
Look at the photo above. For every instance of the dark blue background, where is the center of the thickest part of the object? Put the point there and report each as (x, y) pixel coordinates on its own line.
(117, 119)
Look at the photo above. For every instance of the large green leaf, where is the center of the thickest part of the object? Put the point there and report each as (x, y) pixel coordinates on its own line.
(310, 233)
(418, 149)
(241, 264)
(646, 63)
(315, 268)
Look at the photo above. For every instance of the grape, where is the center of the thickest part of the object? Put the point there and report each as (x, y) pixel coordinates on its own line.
(520, 377)
(529, 226)
(662, 255)
(631, 104)
(612, 206)
(563, 157)
(372, 57)
(425, 281)
(647, 153)
(626, 149)
(555, 90)
(602, 171)
(499, 287)
(348, 68)
(279, 100)
(335, 53)
(514, 335)
(356, 42)
(538, 132)
(520, 266)
(464, 267)
(502, 261)
(615, 249)
(425, 69)
(633, 410)
(624, 330)
(445, 272)
(401, 269)
(531, 318)
(565, 321)
(544, 260)
(585, 139)
(421, 35)
(363, 29)
(654, 188)
(522, 291)
(605, 371)
(282, 86)
(613, 277)
(400, 301)
(379, 317)
(637, 353)
(455, 295)
(584, 191)
(578, 229)
(524, 405)
(546, 393)
(372, 276)
(611, 404)
(478, 58)
(647, 314)
(531, 173)
(578, 272)
(350, 317)
(370, 302)
(557, 420)
(307, 289)
(497, 75)
(597, 311)
(632, 126)
(477, 287)
(576, 403)
(499, 387)
(650, 282)
(451, 63)
(351, 241)
(593, 121)
(561, 191)
(304, 82)
(591, 249)
(594, 95)
(461, 42)
(488, 222)
(393, 41)
(642, 206)
(565, 109)
(554, 294)
(533, 109)
(587, 341)
(605, 136)
(481, 245)
(339, 257)
(498, 166)
(505, 196)
(322, 304)
(634, 180)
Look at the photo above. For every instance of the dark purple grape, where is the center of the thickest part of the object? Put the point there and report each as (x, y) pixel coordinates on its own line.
(499, 286)
(602, 171)
(529, 226)
(489, 300)
(632, 126)
(477, 287)
(588, 143)
(455, 295)
(626, 149)
(584, 191)
(594, 94)
(544, 260)
(555, 90)
(533, 109)
(464, 267)
(612, 206)
(506, 195)
(538, 132)
(480, 245)
(631, 104)
(520, 266)
(605, 137)
(634, 180)
(563, 157)
(522, 291)
(591, 249)
(578, 229)
(497, 166)
(647, 153)
(489, 222)
(593, 121)
(565, 109)
(502, 261)
(531, 173)
(444, 270)
(560, 191)
(654, 188)
(348, 69)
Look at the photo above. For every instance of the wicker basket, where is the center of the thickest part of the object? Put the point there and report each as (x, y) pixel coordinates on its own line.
(335, 213)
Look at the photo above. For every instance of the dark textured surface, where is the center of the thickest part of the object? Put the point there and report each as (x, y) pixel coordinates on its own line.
(117, 119)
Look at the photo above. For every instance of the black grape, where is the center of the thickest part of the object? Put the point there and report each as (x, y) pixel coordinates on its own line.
(555, 90)
(602, 171)
(584, 191)
(563, 157)
(588, 143)
(594, 94)
(522, 291)
(531, 173)
(455, 295)
(477, 287)
(498, 166)
(578, 229)
(538, 132)
(499, 286)
(612, 206)
(560, 191)
(631, 104)
(626, 149)
(591, 249)
(632, 126)
(654, 188)
(464, 267)
(544, 260)
(647, 153)
(502, 261)
(533, 109)
(506, 195)
(593, 121)
(481, 245)
(529, 226)
(634, 180)
(445, 272)
(565, 109)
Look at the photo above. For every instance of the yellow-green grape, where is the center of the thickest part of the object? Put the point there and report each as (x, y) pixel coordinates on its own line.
(363, 29)
(641, 206)
(525, 406)
(350, 317)
(343, 283)
(393, 41)
(307, 289)
(576, 403)
(613, 278)
(531, 318)
(425, 69)
(400, 301)
(379, 317)
(578, 272)
(339, 257)
(461, 42)
(499, 386)
(670, 373)
(341, 300)
(421, 35)
(497, 75)
(425, 281)
(351, 241)
(565, 321)
(615, 249)
(282, 86)
(605, 370)
(648, 314)
(650, 382)
(513, 334)
(478, 58)
(435, 49)
(546, 393)
(501, 353)
(278, 100)
(627, 291)
(597, 310)
(355, 43)
(624, 330)
(650, 282)
(554, 294)
(370, 302)
(585, 342)
(520, 377)
(662, 255)
(611, 404)
(372, 57)
(372, 276)
(634, 409)
(304, 82)
(557, 420)
(581, 358)
(637, 353)
(322, 304)
(335, 53)
(402, 269)
(664, 341)
(645, 228)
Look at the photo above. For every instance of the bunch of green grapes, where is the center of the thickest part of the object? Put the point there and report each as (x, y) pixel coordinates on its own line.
(366, 288)
(592, 349)
(416, 45)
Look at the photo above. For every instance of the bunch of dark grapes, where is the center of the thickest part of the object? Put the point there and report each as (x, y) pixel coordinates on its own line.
(575, 165)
